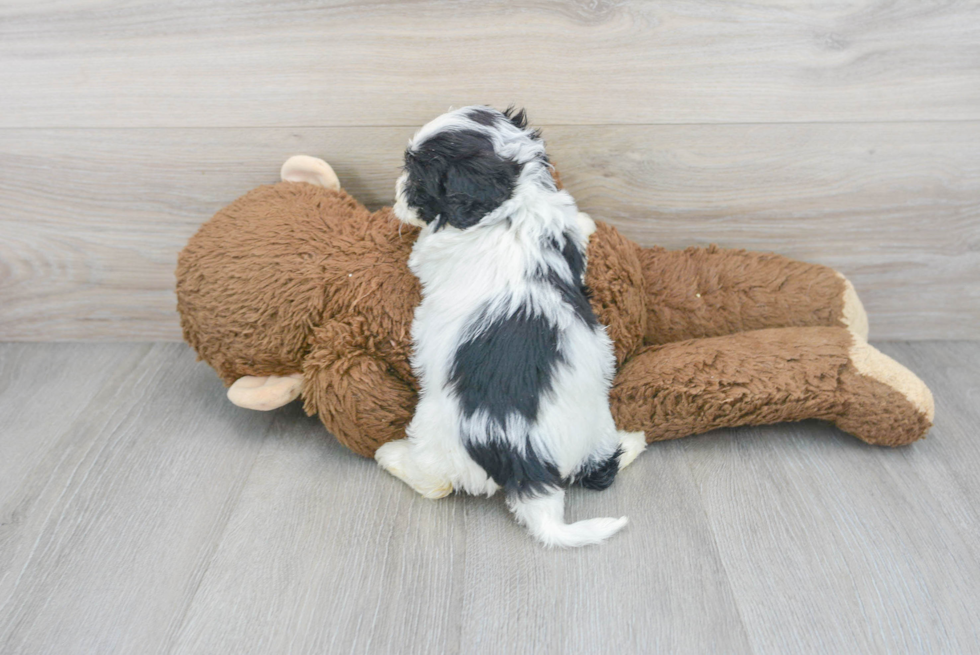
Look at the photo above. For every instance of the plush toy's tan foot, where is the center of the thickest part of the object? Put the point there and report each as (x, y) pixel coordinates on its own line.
(853, 315)
(303, 168)
(632, 443)
(396, 458)
(886, 404)
(265, 393)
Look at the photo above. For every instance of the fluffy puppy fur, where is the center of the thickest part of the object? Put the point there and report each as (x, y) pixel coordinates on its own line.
(514, 368)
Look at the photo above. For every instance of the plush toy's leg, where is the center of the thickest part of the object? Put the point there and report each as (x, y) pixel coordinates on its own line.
(710, 292)
(265, 393)
(771, 376)
(356, 395)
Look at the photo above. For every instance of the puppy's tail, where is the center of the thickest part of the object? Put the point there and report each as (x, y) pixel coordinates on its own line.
(544, 516)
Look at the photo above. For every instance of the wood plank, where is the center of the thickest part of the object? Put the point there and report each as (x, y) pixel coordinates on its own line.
(50, 386)
(947, 468)
(835, 546)
(246, 63)
(327, 553)
(92, 220)
(658, 587)
(104, 540)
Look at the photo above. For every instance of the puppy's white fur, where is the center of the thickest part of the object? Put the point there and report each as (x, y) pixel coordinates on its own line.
(496, 264)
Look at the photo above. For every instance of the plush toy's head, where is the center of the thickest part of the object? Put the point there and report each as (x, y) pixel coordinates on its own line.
(266, 270)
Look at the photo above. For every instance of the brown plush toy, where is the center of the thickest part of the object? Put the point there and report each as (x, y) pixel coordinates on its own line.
(295, 289)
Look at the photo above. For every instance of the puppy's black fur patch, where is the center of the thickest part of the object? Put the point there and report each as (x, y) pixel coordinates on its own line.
(518, 118)
(598, 476)
(456, 178)
(506, 367)
(576, 294)
(504, 370)
(483, 117)
(523, 474)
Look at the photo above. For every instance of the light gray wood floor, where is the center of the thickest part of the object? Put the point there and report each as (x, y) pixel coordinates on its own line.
(141, 512)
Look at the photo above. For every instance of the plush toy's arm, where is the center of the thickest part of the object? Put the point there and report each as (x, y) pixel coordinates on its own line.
(709, 292)
(771, 376)
(357, 395)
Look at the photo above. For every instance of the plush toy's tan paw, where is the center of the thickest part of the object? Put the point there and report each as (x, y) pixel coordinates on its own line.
(632, 443)
(854, 317)
(265, 393)
(396, 458)
(884, 403)
(303, 168)
(873, 363)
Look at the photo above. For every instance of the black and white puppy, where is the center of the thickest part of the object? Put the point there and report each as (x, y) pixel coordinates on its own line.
(514, 368)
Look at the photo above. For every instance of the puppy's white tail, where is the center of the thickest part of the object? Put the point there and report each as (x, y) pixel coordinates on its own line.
(544, 516)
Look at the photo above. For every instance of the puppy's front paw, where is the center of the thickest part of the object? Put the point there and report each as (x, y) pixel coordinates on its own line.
(586, 225)
(396, 458)
(389, 456)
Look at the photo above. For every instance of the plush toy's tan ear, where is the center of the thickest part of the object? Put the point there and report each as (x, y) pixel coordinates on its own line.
(303, 168)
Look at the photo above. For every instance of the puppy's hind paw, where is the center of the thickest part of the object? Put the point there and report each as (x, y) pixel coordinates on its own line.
(632, 444)
(396, 458)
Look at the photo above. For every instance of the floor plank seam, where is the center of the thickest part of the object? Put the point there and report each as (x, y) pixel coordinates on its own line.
(178, 626)
(718, 553)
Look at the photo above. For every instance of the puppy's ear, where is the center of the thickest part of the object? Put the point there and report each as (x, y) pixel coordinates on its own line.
(456, 178)
(475, 186)
(518, 117)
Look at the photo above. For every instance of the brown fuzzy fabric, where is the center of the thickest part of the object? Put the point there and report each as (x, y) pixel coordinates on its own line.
(358, 395)
(708, 292)
(877, 413)
(295, 278)
(755, 378)
(264, 272)
(614, 277)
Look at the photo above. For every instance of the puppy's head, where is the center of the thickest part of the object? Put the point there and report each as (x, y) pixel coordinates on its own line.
(461, 167)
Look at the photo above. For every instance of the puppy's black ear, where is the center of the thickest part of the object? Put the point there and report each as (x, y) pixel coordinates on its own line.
(473, 179)
(456, 178)
(516, 116)
(475, 186)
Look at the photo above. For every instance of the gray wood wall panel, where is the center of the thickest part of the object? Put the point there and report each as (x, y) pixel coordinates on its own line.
(252, 63)
(841, 133)
(92, 220)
